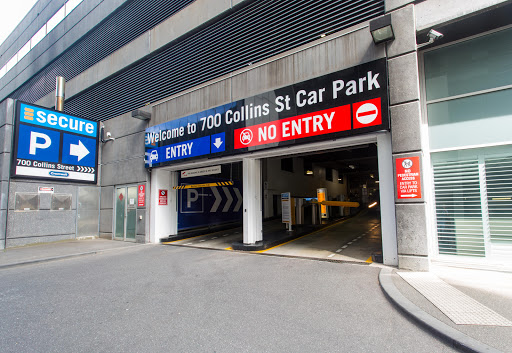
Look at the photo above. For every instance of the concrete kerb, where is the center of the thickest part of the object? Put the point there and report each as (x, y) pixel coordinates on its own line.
(61, 257)
(448, 334)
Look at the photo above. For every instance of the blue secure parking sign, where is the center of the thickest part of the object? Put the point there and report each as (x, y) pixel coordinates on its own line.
(54, 146)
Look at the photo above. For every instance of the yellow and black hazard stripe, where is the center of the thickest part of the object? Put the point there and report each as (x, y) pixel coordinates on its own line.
(196, 186)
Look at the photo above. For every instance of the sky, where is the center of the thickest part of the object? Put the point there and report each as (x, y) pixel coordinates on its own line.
(11, 14)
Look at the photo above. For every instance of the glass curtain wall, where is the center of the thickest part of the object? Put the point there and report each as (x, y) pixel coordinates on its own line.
(468, 89)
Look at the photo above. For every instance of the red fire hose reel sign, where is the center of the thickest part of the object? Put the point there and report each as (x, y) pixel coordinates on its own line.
(408, 178)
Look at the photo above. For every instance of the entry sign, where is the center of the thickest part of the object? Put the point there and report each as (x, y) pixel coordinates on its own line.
(141, 195)
(408, 178)
(162, 197)
(52, 145)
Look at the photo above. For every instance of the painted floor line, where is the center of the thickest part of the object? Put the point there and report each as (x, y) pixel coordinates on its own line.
(174, 241)
(305, 235)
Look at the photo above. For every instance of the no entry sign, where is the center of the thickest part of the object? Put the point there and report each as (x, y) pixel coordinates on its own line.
(408, 178)
(162, 197)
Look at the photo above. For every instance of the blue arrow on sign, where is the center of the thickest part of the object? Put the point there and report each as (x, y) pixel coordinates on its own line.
(218, 142)
(78, 150)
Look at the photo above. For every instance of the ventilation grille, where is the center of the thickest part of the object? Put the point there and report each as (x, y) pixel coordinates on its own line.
(460, 228)
(122, 27)
(258, 31)
(474, 207)
(498, 173)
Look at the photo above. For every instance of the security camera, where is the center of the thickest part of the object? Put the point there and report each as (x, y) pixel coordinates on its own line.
(109, 135)
(434, 35)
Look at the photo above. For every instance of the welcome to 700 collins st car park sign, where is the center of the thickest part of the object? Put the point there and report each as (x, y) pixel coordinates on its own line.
(345, 103)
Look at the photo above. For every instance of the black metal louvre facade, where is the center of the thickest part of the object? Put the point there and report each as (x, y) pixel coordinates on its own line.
(260, 30)
(123, 26)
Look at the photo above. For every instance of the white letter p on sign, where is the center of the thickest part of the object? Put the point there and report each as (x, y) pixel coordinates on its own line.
(35, 145)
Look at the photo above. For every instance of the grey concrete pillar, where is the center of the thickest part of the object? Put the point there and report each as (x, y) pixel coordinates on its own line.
(6, 129)
(411, 220)
(163, 205)
(387, 200)
(253, 223)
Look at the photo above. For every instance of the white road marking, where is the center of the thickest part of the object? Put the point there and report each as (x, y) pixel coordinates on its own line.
(331, 255)
(188, 244)
(344, 246)
(202, 240)
(214, 238)
(339, 250)
(349, 243)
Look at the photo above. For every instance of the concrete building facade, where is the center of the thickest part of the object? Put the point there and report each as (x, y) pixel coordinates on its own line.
(181, 58)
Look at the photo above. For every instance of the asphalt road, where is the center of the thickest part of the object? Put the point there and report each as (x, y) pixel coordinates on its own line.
(177, 299)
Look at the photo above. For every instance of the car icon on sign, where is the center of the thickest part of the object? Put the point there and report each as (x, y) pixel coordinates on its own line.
(153, 156)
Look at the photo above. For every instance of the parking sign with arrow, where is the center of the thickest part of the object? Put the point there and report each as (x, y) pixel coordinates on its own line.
(53, 145)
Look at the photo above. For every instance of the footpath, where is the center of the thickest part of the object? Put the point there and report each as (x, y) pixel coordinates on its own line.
(45, 252)
(470, 310)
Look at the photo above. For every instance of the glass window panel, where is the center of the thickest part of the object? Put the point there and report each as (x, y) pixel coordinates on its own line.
(38, 36)
(131, 213)
(24, 50)
(12, 62)
(481, 119)
(71, 4)
(56, 19)
(469, 66)
(120, 212)
(3, 71)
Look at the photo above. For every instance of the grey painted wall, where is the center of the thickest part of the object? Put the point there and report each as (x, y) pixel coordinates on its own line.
(434, 12)
(122, 164)
(329, 54)
(44, 225)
